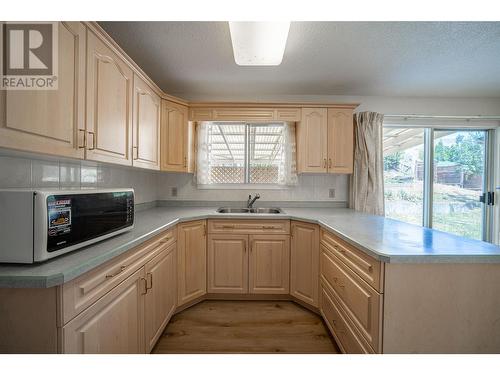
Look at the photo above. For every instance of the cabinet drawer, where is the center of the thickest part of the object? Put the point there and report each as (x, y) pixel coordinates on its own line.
(369, 269)
(349, 341)
(360, 301)
(80, 293)
(249, 226)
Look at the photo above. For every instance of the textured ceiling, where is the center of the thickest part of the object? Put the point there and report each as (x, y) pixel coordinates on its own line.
(442, 59)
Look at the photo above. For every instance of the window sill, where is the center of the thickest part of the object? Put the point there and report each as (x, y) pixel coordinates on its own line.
(243, 187)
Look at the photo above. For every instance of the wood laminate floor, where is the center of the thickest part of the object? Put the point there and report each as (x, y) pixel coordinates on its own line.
(246, 327)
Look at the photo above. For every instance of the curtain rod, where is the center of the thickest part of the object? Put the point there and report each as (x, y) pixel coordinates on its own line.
(476, 117)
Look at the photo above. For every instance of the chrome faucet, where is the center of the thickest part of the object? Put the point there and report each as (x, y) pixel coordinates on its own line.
(251, 201)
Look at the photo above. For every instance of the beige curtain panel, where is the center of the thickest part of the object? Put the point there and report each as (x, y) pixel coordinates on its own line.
(367, 181)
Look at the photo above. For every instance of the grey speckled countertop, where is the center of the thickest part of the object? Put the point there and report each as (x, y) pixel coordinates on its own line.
(384, 239)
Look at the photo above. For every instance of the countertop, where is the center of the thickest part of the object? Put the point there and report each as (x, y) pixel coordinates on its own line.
(385, 239)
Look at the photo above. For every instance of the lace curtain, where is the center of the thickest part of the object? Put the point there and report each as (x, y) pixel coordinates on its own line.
(287, 159)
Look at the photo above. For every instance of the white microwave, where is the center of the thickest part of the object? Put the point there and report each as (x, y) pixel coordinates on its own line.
(36, 225)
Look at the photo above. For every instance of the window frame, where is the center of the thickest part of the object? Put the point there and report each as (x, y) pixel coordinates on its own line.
(247, 159)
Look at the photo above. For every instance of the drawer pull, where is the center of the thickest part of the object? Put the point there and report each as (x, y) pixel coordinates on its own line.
(228, 226)
(268, 227)
(166, 239)
(122, 268)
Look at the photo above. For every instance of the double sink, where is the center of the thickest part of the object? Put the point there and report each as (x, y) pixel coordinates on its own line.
(261, 210)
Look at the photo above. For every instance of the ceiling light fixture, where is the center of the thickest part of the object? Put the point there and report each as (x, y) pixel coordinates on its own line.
(259, 43)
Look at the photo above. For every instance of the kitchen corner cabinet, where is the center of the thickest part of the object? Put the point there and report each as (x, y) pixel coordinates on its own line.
(269, 264)
(228, 263)
(146, 126)
(191, 261)
(325, 140)
(177, 138)
(304, 257)
(113, 325)
(109, 104)
(50, 121)
(161, 299)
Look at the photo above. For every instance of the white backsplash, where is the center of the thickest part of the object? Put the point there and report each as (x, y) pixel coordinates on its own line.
(19, 170)
(26, 172)
(310, 188)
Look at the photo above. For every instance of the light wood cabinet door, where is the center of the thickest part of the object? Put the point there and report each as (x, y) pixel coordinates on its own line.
(340, 140)
(312, 141)
(109, 104)
(269, 264)
(304, 257)
(191, 260)
(227, 263)
(113, 325)
(161, 284)
(50, 121)
(176, 138)
(146, 126)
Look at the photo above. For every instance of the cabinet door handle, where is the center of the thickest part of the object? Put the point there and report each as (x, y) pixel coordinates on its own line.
(93, 141)
(122, 268)
(149, 280)
(144, 285)
(185, 161)
(324, 163)
(329, 163)
(84, 138)
(135, 154)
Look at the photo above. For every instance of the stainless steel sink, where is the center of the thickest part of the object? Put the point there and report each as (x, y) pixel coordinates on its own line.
(265, 210)
(262, 210)
(228, 210)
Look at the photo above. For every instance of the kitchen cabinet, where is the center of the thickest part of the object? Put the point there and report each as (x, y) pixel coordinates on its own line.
(340, 141)
(191, 261)
(161, 296)
(109, 104)
(113, 325)
(269, 264)
(312, 141)
(177, 138)
(227, 263)
(304, 258)
(325, 140)
(146, 126)
(50, 121)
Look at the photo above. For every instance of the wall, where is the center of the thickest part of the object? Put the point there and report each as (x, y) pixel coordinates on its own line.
(311, 188)
(19, 170)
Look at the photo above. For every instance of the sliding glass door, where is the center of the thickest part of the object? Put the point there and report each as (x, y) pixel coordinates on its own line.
(459, 182)
(439, 178)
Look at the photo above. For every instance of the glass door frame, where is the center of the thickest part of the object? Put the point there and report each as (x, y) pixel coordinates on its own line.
(492, 137)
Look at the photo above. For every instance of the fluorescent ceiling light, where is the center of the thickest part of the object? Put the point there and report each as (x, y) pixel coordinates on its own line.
(259, 43)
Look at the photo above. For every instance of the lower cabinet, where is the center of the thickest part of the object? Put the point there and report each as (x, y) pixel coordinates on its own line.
(191, 261)
(269, 264)
(304, 257)
(161, 297)
(114, 324)
(227, 263)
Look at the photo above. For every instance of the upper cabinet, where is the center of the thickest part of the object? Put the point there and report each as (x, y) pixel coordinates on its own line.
(50, 121)
(312, 141)
(146, 126)
(325, 140)
(177, 138)
(109, 104)
(340, 140)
